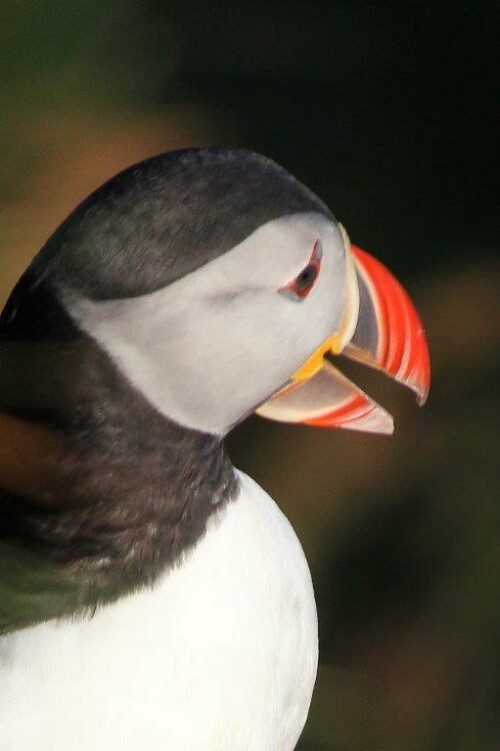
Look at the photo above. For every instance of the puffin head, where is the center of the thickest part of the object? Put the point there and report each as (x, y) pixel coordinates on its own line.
(216, 283)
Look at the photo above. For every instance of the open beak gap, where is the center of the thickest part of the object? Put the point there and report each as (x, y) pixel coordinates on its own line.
(327, 400)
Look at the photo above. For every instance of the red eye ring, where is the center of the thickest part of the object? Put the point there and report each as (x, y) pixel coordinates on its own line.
(303, 283)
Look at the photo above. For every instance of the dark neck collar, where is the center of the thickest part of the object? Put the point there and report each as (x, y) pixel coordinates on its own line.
(131, 492)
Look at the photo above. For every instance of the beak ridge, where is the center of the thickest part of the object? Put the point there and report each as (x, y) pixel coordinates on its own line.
(389, 335)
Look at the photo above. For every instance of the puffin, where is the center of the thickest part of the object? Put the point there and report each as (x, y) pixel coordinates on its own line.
(153, 596)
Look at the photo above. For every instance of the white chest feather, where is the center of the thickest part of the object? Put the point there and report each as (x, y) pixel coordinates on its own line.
(220, 656)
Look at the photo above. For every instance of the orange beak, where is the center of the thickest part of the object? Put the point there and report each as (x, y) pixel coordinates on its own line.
(388, 335)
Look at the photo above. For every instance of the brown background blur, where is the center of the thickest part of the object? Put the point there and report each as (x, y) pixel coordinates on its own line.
(385, 109)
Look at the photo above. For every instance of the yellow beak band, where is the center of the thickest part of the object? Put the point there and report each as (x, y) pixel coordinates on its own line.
(315, 362)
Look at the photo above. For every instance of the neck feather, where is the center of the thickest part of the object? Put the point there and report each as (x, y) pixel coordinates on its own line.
(112, 492)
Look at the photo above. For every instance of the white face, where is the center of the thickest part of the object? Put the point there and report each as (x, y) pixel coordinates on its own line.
(212, 346)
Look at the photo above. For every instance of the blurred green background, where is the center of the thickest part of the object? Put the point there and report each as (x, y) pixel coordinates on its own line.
(385, 109)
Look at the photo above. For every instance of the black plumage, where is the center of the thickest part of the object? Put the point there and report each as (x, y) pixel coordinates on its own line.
(165, 217)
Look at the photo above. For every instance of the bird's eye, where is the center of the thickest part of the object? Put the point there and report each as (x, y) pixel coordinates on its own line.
(303, 283)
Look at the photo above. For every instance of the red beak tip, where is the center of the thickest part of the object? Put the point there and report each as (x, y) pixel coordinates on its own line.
(422, 397)
(420, 388)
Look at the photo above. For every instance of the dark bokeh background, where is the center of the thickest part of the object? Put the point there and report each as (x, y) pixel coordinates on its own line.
(386, 110)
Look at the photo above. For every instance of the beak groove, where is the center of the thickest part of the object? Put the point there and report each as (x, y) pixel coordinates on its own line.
(389, 335)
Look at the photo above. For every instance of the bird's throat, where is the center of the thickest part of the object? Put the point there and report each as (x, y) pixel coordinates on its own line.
(99, 492)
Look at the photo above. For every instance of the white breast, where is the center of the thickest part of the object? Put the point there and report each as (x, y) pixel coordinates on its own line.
(220, 656)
